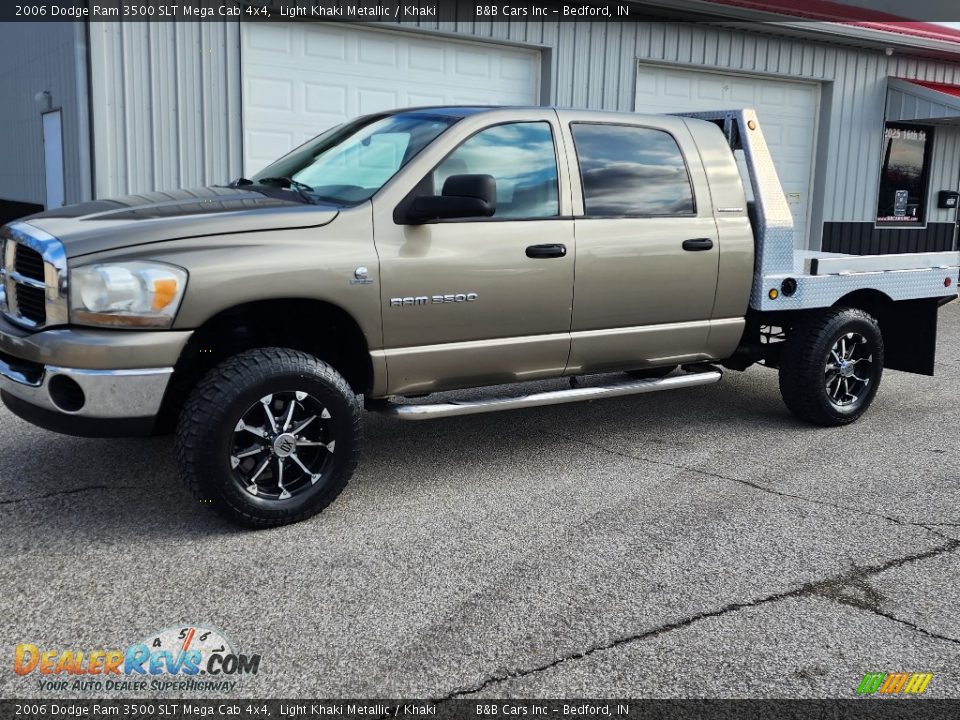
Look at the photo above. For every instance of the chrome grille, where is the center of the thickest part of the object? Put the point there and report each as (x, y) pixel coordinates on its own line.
(29, 263)
(33, 276)
(32, 303)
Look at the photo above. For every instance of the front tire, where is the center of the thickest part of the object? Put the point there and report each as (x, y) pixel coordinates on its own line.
(831, 367)
(269, 437)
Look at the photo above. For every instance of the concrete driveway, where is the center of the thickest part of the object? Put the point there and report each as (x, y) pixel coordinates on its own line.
(697, 543)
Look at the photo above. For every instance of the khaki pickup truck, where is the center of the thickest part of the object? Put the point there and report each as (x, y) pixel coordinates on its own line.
(433, 249)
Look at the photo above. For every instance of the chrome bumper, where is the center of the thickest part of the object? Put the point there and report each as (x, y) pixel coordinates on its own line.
(106, 394)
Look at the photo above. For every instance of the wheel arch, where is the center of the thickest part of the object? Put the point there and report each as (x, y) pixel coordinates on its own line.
(317, 327)
(875, 302)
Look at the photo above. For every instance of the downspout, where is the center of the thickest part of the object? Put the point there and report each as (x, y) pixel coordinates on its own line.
(84, 138)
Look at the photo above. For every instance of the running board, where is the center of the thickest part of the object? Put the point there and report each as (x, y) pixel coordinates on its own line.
(473, 407)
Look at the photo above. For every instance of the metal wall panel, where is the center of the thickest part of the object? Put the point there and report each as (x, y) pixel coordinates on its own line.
(945, 171)
(198, 138)
(167, 105)
(35, 57)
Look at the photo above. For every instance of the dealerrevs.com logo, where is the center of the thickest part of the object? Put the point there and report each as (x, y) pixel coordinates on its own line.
(192, 658)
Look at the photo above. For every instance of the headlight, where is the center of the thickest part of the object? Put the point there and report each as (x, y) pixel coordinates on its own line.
(131, 294)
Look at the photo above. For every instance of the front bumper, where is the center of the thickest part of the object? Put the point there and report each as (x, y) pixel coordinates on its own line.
(87, 382)
(84, 402)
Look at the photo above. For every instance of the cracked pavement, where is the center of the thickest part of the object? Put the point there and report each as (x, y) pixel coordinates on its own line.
(697, 543)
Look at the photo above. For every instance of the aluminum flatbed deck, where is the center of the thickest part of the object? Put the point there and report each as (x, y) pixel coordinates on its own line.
(789, 279)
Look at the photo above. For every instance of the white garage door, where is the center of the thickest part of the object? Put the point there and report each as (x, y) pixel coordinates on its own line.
(787, 112)
(300, 79)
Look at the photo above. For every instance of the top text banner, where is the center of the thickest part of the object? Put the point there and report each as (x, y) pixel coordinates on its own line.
(317, 10)
(468, 11)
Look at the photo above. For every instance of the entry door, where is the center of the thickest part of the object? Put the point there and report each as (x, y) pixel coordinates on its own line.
(647, 246)
(476, 301)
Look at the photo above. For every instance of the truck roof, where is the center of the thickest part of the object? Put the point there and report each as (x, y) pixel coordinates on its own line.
(467, 110)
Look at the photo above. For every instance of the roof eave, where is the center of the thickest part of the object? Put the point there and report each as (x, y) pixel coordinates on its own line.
(924, 93)
(852, 34)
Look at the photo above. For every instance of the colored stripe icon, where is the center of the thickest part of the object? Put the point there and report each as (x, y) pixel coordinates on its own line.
(894, 683)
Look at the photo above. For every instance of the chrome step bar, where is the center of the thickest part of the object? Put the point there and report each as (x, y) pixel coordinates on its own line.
(556, 397)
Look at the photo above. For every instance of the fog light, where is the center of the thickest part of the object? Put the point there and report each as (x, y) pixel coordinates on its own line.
(773, 294)
(65, 393)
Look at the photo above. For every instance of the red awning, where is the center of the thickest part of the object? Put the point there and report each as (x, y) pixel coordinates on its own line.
(953, 90)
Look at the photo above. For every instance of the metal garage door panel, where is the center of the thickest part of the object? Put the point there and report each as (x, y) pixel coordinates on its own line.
(301, 78)
(787, 111)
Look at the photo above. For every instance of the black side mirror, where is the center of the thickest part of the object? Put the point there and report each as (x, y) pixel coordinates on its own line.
(463, 196)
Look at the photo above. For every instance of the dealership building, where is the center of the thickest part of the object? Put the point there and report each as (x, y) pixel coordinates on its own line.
(861, 111)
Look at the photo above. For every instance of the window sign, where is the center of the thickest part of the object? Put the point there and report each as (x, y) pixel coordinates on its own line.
(902, 200)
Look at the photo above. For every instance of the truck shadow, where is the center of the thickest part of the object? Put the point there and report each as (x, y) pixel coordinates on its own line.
(114, 491)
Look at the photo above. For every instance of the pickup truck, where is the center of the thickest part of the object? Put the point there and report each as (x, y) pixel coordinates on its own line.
(431, 249)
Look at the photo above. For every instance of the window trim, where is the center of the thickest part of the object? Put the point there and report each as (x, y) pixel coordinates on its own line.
(400, 211)
(924, 180)
(583, 191)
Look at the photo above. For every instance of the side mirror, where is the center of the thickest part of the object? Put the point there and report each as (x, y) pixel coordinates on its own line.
(463, 196)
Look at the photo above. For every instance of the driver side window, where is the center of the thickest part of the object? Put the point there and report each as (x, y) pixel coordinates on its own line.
(521, 158)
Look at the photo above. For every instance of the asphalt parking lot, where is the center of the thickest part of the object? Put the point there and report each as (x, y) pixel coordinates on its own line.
(699, 543)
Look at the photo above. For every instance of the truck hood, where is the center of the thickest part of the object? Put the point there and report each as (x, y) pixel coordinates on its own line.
(155, 217)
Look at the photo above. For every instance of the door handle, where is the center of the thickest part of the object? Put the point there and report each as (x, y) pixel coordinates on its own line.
(698, 244)
(546, 251)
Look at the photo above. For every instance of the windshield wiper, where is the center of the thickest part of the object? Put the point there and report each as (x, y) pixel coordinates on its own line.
(301, 188)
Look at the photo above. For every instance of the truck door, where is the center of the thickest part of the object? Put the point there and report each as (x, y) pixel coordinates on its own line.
(479, 301)
(647, 244)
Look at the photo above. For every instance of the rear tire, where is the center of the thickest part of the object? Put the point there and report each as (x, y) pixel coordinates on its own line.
(269, 437)
(831, 367)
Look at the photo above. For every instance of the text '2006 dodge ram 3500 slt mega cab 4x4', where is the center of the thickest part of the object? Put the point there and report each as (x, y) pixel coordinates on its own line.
(434, 249)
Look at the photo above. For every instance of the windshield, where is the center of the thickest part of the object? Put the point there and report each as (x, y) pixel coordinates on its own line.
(349, 163)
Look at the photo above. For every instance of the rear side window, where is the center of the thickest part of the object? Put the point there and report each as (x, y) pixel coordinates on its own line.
(521, 158)
(628, 170)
